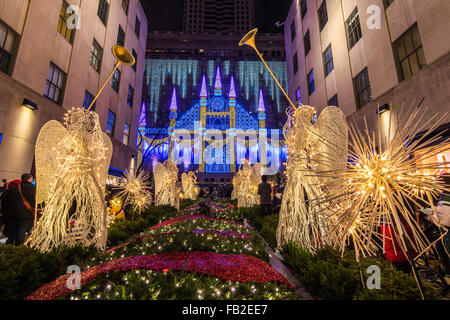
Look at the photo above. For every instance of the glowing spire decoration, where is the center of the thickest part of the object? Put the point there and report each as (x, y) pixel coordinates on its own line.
(218, 83)
(142, 117)
(261, 107)
(203, 91)
(232, 93)
(173, 103)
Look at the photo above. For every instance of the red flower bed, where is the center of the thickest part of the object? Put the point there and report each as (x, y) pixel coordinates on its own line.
(231, 267)
(184, 218)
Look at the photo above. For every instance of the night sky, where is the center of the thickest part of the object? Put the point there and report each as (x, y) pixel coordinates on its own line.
(168, 14)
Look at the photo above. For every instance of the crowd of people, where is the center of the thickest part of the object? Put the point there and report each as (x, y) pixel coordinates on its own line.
(18, 202)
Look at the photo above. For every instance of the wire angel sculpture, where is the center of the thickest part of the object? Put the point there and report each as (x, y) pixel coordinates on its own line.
(71, 169)
(245, 184)
(135, 190)
(189, 183)
(379, 188)
(166, 177)
(311, 147)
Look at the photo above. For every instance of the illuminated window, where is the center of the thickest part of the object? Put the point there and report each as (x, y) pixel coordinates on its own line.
(353, 29)
(362, 88)
(103, 10)
(130, 97)
(135, 58)
(55, 83)
(115, 83)
(311, 86)
(126, 134)
(8, 40)
(110, 123)
(328, 60)
(307, 43)
(96, 56)
(121, 37)
(323, 15)
(88, 98)
(409, 53)
(303, 7)
(63, 29)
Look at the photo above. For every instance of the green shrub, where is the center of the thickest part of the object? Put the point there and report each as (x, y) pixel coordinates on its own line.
(23, 270)
(330, 276)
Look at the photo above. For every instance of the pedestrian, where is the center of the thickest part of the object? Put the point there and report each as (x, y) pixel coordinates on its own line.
(19, 203)
(265, 197)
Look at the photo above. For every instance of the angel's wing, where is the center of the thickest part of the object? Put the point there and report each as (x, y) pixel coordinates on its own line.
(101, 166)
(46, 159)
(256, 173)
(333, 142)
(159, 173)
(185, 181)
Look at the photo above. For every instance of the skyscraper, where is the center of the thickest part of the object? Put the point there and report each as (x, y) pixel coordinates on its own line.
(219, 15)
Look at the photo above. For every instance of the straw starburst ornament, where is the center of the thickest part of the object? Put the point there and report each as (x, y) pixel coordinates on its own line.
(381, 189)
(135, 190)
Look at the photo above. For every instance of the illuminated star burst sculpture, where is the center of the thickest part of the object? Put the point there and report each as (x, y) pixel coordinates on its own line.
(311, 146)
(71, 168)
(189, 183)
(166, 177)
(245, 184)
(135, 191)
(377, 189)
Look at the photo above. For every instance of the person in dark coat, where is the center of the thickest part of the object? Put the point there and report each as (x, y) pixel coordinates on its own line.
(265, 197)
(20, 218)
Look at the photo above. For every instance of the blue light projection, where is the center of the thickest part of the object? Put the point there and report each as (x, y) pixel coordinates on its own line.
(250, 77)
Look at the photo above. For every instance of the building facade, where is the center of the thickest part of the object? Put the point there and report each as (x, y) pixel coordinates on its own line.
(362, 55)
(218, 15)
(55, 55)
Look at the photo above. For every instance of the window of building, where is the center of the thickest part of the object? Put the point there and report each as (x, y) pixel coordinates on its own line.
(63, 29)
(130, 97)
(115, 82)
(125, 5)
(328, 60)
(121, 37)
(387, 3)
(307, 42)
(303, 7)
(323, 15)
(103, 10)
(110, 123)
(137, 27)
(135, 57)
(295, 63)
(96, 56)
(409, 53)
(126, 134)
(311, 86)
(362, 88)
(88, 98)
(54, 85)
(334, 101)
(353, 29)
(293, 30)
(8, 40)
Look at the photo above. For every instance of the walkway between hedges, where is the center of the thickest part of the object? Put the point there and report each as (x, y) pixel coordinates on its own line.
(278, 265)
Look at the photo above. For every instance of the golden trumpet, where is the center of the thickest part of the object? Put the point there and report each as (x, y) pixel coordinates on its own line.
(123, 56)
(249, 39)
